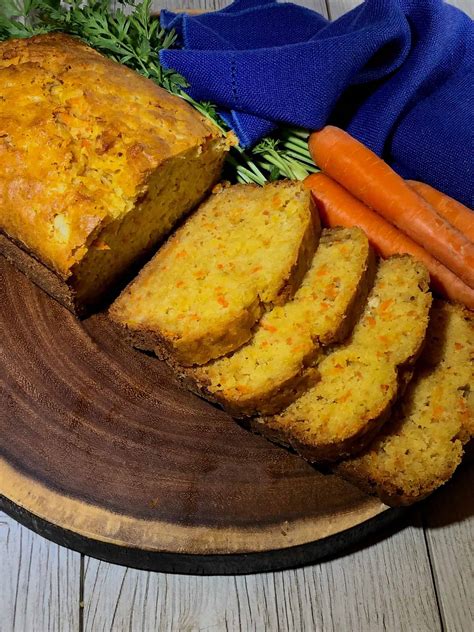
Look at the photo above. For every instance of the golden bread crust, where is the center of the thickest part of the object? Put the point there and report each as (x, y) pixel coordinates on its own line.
(80, 136)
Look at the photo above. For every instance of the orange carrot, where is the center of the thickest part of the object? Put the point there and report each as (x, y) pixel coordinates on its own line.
(458, 215)
(373, 182)
(337, 207)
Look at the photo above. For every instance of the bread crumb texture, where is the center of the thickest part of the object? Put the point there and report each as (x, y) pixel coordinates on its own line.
(84, 143)
(245, 249)
(420, 448)
(360, 379)
(268, 372)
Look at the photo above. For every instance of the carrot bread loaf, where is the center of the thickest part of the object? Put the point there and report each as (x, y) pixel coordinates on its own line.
(96, 165)
(275, 366)
(246, 248)
(360, 380)
(421, 447)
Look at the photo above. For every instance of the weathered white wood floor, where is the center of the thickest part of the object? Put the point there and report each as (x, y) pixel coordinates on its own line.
(418, 578)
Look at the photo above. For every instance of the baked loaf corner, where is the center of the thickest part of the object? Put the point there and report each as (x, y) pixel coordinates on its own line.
(96, 165)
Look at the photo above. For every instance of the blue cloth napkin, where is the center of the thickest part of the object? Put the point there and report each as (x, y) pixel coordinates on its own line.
(397, 74)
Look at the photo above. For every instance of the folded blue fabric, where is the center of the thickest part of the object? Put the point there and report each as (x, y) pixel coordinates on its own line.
(397, 74)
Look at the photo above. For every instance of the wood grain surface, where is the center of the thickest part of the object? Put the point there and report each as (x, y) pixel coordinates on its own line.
(349, 593)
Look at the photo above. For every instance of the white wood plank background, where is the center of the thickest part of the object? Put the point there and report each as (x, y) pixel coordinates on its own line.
(417, 579)
(449, 528)
(39, 582)
(361, 591)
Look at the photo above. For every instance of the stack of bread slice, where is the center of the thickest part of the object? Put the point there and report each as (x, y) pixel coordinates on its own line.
(246, 249)
(361, 379)
(268, 372)
(421, 446)
(307, 337)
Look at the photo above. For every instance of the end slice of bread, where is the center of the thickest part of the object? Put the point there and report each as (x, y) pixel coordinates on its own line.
(276, 365)
(420, 448)
(245, 249)
(361, 379)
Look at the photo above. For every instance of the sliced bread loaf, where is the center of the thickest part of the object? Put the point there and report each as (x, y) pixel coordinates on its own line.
(420, 448)
(245, 249)
(275, 366)
(97, 164)
(360, 380)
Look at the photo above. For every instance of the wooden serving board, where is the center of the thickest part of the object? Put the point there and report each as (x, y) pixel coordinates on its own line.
(102, 451)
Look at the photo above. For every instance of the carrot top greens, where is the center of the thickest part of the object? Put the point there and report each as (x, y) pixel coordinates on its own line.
(132, 36)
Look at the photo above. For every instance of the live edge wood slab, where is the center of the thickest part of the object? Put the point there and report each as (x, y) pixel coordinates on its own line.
(102, 451)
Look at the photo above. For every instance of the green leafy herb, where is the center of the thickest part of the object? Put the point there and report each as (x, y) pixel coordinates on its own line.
(132, 40)
(19, 18)
(133, 37)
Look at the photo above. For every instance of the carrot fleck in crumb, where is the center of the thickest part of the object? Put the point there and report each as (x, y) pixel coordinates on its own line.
(271, 328)
(345, 397)
(385, 304)
(299, 348)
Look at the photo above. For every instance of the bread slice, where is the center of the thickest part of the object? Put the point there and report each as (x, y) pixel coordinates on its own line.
(96, 166)
(276, 365)
(421, 447)
(360, 380)
(245, 249)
